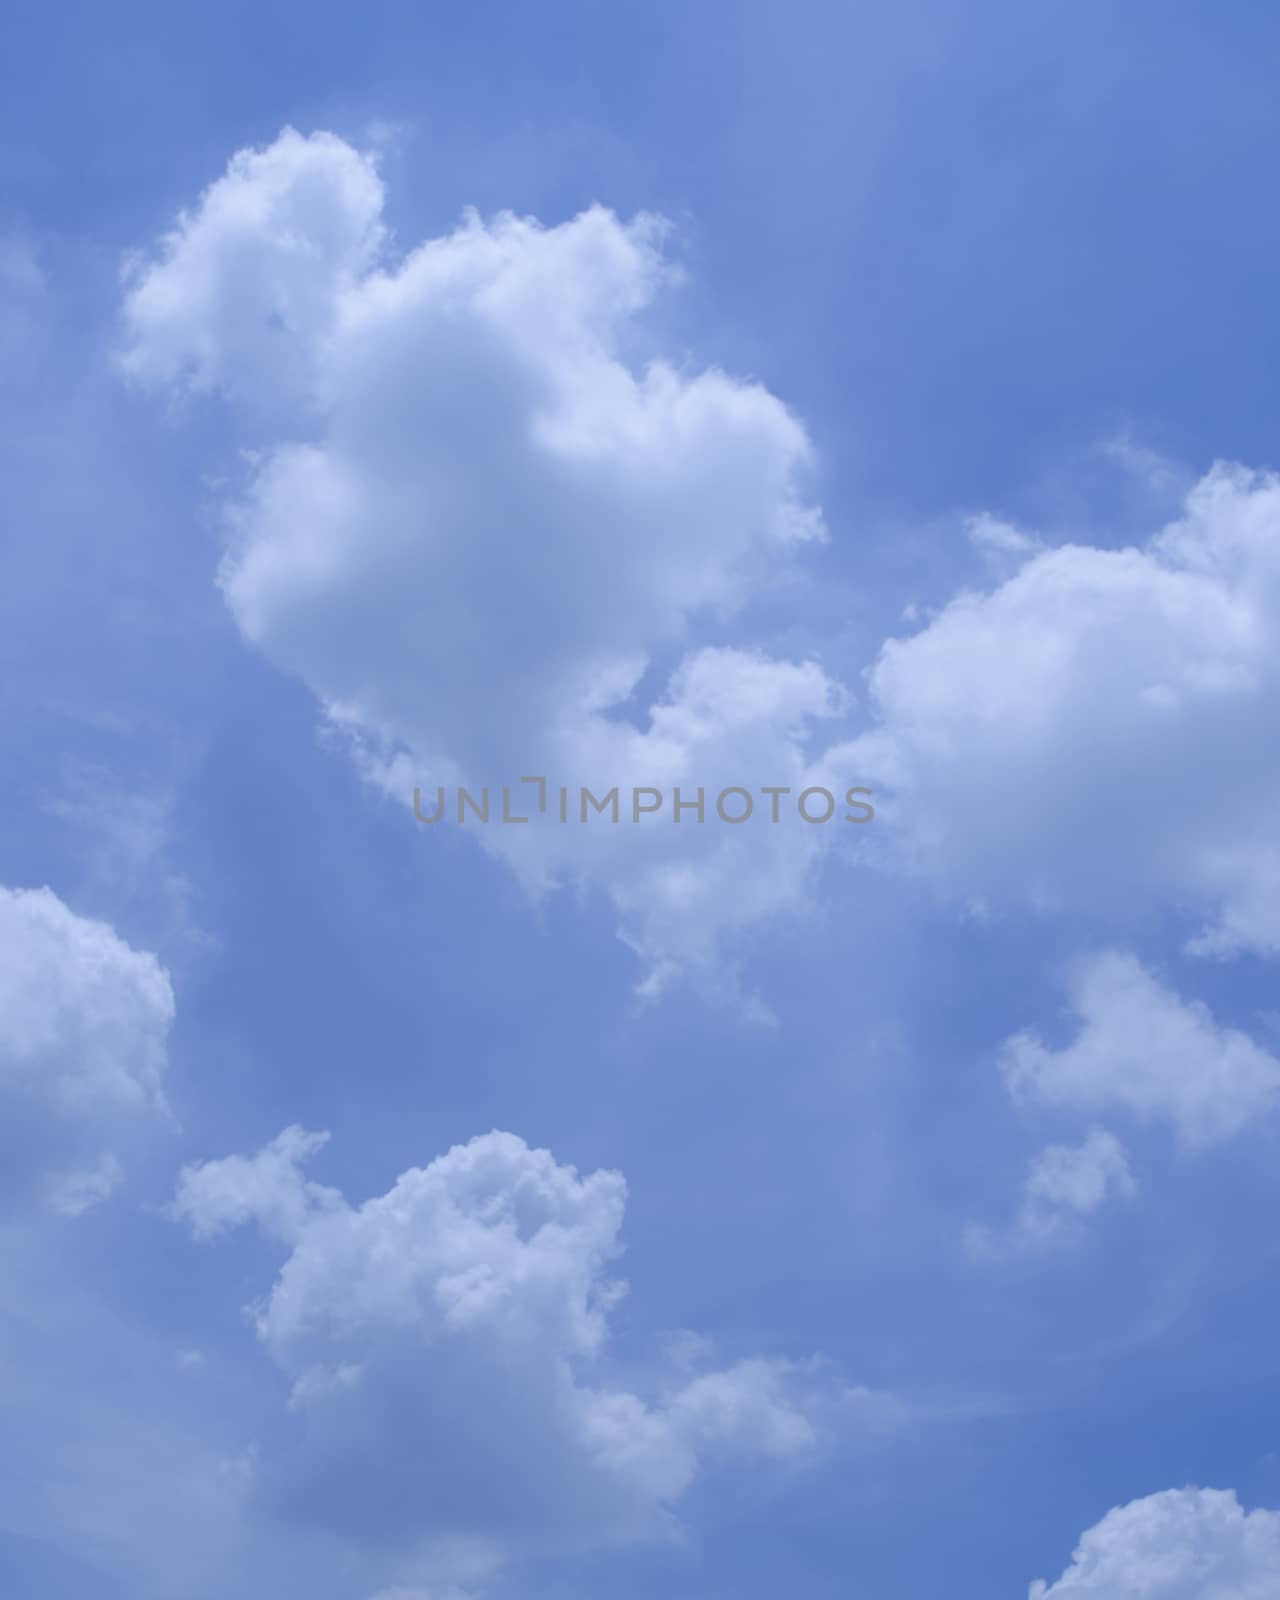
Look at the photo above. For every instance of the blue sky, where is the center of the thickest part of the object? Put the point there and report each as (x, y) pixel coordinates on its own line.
(928, 447)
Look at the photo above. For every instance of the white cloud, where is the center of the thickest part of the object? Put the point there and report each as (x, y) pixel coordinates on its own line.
(487, 511)
(1184, 1544)
(447, 1348)
(267, 1188)
(252, 282)
(1065, 1183)
(1143, 1049)
(84, 1021)
(1003, 546)
(1079, 1177)
(499, 532)
(1092, 731)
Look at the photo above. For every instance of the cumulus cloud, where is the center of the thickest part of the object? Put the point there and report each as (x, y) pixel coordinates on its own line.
(252, 281)
(267, 1188)
(1065, 1183)
(446, 1344)
(1143, 1049)
(1184, 1544)
(499, 531)
(84, 1022)
(1092, 731)
(492, 525)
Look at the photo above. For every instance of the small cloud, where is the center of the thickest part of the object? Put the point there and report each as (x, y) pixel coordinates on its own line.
(1142, 1048)
(1065, 1183)
(1003, 546)
(1160, 475)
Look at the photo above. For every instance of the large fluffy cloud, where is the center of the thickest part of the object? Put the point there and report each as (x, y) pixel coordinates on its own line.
(84, 1021)
(487, 511)
(498, 531)
(492, 527)
(446, 1347)
(1184, 1544)
(1095, 730)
